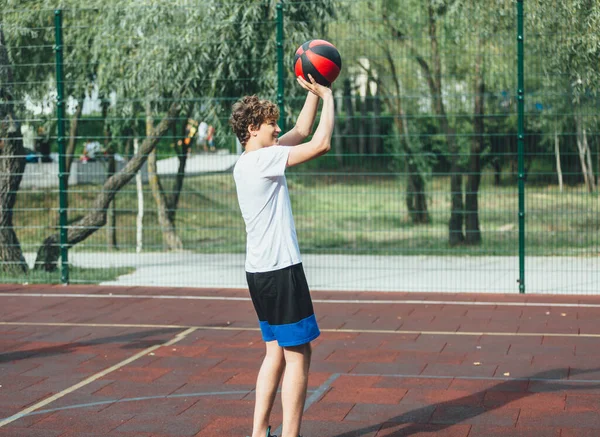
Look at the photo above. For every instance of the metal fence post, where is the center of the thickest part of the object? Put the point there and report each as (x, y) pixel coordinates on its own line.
(280, 66)
(521, 142)
(60, 122)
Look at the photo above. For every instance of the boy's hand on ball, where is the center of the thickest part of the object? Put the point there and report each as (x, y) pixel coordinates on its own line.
(313, 86)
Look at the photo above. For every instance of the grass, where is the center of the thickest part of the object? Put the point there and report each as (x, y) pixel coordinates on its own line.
(336, 214)
(76, 275)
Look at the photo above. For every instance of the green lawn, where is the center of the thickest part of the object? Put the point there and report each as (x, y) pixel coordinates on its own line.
(76, 275)
(337, 214)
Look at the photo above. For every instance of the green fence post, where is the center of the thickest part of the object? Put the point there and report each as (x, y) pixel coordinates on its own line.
(60, 122)
(280, 66)
(521, 142)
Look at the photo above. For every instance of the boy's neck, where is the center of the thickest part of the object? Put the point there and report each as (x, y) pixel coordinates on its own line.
(252, 146)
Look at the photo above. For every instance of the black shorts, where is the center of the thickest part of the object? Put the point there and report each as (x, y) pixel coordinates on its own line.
(282, 302)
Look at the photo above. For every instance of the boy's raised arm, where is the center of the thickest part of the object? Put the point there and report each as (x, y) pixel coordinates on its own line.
(304, 124)
(321, 140)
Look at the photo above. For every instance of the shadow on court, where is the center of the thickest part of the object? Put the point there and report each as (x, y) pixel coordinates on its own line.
(465, 408)
(135, 340)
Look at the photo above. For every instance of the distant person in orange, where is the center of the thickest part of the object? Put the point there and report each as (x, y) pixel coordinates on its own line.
(190, 131)
(210, 137)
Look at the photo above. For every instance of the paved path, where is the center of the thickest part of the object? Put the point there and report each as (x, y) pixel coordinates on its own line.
(45, 175)
(163, 362)
(561, 275)
(198, 164)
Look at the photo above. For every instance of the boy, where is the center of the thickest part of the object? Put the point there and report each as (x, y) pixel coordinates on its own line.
(273, 265)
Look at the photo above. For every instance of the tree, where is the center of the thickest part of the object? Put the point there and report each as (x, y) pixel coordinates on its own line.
(210, 52)
(477, 30)
(12, 165)
(431, 70)
(48, 253)
(382, 65)
(427, 31)
(20, 45)
(433, 74)
(570, 53)
(472, 229)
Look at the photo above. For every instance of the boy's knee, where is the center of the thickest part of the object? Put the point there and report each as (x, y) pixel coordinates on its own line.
(308, 349)
(303, 349)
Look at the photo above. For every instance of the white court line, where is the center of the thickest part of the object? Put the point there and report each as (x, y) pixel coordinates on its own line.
(93, 378)
(341, 330)
(337, 301)
(141, 398)
(315, 396)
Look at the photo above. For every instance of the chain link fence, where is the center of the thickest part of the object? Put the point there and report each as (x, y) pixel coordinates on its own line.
(436, 181)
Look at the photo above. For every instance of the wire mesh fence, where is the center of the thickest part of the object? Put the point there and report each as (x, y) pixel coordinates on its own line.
(420, 191)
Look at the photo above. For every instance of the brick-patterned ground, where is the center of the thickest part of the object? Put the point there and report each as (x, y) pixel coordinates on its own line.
(402, 368)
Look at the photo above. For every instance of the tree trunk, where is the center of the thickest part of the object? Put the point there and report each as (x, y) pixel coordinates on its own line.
(376, 138)
(111, 168)
(73, 130)
(182, 155)
(139, 222)
(12, 166)
(590, 166)
(70, 150)
(48, 253)
(128, 148)
(584, 159)
(362, 135)
(170, 239)
(472, 230)
(434, 82)
(557, 154)
(416, 200)
(497, 171)
(455, 225)
(338, 145)
(349, 130)
(111, 228)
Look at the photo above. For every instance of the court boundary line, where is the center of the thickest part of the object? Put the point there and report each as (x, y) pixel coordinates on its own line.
(178, 337)
(140, 399)
(335, 301)
(315, 394)
(331, 330)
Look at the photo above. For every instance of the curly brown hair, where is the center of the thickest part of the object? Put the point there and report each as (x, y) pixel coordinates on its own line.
(251, 111)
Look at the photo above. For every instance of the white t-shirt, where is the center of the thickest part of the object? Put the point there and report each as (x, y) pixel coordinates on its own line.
(202, 131)
(93, 148)
(264, 200)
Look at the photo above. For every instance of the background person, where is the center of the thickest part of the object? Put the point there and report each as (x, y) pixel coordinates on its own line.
(210, 137)
(91, 151)
(201, 136)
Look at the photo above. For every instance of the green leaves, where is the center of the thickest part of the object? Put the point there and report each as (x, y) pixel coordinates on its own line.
(567, 41)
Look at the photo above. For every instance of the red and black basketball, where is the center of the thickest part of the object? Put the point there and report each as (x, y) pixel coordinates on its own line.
(320, 59)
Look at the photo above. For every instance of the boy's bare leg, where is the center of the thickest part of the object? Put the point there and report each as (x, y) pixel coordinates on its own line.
(295, 384)
(267, 384)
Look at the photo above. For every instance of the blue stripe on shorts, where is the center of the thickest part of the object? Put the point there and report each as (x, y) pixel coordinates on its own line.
(291, 334)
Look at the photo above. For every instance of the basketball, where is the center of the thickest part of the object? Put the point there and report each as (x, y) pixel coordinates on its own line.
(320, 59)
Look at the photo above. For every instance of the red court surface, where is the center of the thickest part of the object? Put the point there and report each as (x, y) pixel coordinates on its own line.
(107, 361)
